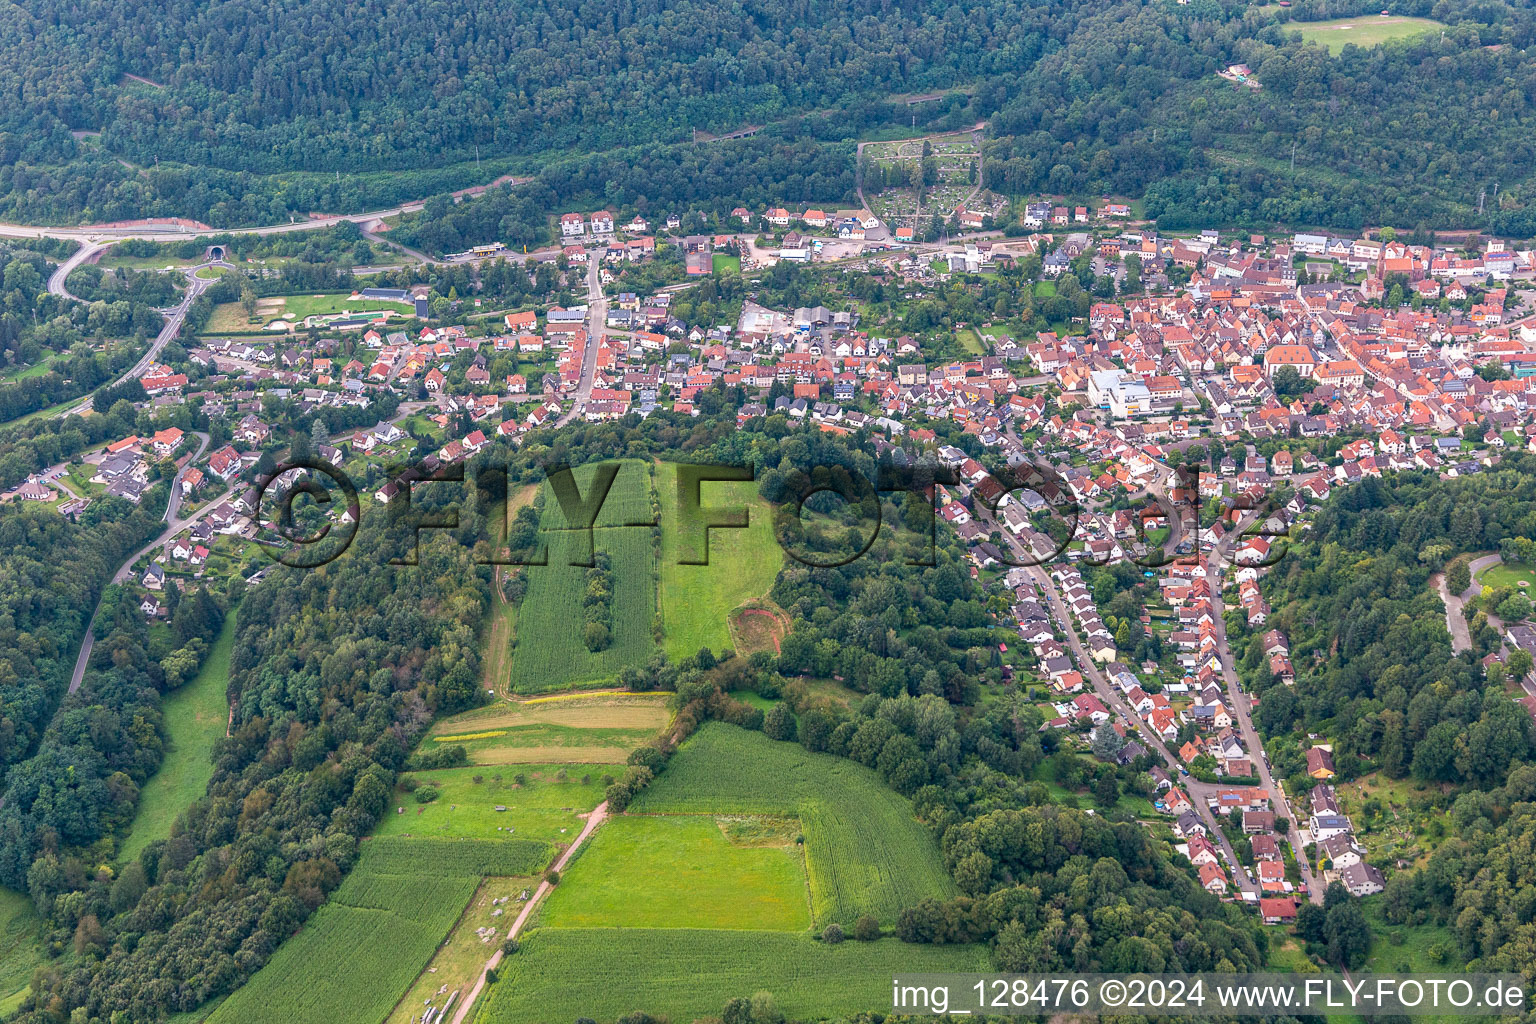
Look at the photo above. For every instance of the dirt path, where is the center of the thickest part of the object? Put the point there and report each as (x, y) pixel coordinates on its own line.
(596, 818)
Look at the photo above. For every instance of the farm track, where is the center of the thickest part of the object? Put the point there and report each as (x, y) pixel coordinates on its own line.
(597, 817)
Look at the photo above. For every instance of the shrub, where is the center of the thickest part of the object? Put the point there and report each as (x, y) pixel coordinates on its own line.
(552, 876)
(832, 934)
(866, 928)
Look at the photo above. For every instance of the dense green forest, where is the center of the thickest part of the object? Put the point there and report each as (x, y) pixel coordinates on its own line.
(1374, 664)
(242, 114)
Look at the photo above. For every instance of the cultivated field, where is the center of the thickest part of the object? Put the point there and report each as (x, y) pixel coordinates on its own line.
(357, 956)
(550, 653)
(578, 728)
(459, 960)
(684, 974)
(544, 806)
(865, 852)
(680, 871)
(196, 715)
(697, 600)
(1366, 30)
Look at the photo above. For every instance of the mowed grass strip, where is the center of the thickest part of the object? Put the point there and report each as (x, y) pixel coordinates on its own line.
(572, 728)
(576, 711)
(519, 745)
(538, 808)
(697, 600)
(686, 974)
(679, 872)
(196, 715)
(865, 851)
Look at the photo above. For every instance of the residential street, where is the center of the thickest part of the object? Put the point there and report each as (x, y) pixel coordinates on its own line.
(1242, 711)
(173, 527)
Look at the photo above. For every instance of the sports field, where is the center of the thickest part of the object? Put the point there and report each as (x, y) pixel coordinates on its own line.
(688, 974)
(680, 871)
(865, 852)
(196, 715)
(697, 600)
(231, 317)
(1366, 30)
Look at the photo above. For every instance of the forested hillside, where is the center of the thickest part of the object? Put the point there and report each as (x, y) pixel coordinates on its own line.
(1374, 662)
(241, 113)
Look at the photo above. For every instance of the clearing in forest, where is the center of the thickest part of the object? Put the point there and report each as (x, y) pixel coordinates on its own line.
(697, 601)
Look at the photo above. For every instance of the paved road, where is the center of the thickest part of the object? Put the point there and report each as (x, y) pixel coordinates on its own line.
(173, 321)
(173, 526)
(596, 818)
(597, 320)
(1112, 698)
(1242, 711)
(86, 251)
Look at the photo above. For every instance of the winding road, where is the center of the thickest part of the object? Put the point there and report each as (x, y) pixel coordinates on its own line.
(173, 318)
(173, 527)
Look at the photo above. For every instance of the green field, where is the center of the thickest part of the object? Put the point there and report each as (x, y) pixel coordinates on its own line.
(1506, 575)
(697, 600)
(723, 263)
(680, 871)
(550, 654)
(865, 852)
(539, 808)
(600, 729)
(196, 715)
(358, 954)
(1366, 30)
(971, 342)
(687, 974)
(20, 948)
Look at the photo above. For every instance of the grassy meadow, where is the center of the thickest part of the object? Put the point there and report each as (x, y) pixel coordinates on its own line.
(680, 871)
(1366, 30)
(865, 852)
(689, 974)
(196, 715)
(697, 600)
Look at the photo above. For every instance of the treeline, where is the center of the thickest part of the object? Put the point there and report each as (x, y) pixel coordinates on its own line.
(52, 571)
(335, 673)
(102, 746)
(1375, 670)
